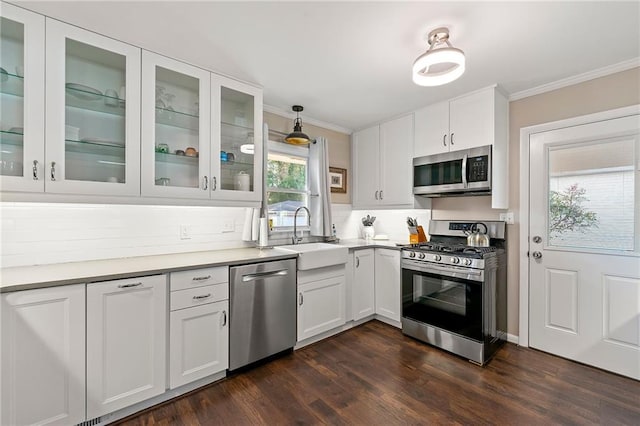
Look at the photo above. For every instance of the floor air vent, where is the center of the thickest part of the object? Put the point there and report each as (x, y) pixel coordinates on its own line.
(92, 422)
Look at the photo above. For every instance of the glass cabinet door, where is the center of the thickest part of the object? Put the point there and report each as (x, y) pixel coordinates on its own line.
(175, 140)
(21, 100)
(93, 105)
(237, 127)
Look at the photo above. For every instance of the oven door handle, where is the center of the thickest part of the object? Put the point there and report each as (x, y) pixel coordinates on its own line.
(449, 271)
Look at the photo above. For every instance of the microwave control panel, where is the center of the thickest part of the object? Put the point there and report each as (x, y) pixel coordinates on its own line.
(478, 169)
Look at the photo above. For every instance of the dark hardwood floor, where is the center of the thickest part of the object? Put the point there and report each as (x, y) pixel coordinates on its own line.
(375, 375)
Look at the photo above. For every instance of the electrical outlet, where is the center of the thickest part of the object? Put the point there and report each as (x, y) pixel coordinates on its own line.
(185, 232)
(507, 218)
(228, 226)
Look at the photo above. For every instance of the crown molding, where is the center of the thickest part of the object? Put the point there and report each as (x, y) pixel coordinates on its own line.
(570, 81)
(306, 119)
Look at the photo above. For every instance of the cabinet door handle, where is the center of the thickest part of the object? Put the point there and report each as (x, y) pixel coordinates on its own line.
(451, 139)
(214, 183)
(35, 169)
(205, 183)
(224, 318)
(444, 140)
(381, 195)
(204, 296)
(201, 278)
(129, 285)
(357, 262)
(377, 195)
(53, 170)
(301, 299)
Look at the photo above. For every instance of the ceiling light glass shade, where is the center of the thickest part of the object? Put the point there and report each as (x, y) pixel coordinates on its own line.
(444, 55)
(248, 148)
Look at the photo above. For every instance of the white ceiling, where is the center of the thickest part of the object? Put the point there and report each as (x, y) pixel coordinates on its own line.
(349, 63)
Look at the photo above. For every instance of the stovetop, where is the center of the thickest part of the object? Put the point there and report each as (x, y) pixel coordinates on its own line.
(458, 249)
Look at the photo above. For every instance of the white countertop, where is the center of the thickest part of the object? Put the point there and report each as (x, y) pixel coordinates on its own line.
(39, 276)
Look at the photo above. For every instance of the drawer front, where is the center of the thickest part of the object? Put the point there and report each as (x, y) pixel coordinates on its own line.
(199, 296)
(199, 277)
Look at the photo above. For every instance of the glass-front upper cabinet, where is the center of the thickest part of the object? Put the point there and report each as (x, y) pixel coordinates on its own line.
(21, 100)
(175, 128)
(237, 126)
(92, 107)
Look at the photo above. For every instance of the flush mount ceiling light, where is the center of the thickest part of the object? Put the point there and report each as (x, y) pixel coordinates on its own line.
(441, 63)
(297, 137)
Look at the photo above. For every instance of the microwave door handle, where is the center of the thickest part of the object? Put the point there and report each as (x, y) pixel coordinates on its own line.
(464, 171)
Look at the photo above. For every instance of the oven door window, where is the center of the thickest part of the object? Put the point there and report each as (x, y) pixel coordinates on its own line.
(452, 304)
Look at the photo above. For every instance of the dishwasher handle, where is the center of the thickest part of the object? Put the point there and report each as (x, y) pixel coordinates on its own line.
(261, 275)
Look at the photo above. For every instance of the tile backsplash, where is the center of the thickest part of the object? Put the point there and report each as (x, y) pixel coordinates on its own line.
(43, 233)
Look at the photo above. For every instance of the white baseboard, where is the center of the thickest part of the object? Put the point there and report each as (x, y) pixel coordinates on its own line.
(512, 338)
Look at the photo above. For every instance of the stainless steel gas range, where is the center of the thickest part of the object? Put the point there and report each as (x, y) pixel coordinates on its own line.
(455, 296)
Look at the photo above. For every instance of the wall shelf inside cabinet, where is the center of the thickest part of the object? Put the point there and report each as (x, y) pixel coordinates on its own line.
(95, 148)
(167, 157)
(13, 85)
(89, 101)
(11, 138)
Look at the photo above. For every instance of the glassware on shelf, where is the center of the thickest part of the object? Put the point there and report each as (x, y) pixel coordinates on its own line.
(162, 147)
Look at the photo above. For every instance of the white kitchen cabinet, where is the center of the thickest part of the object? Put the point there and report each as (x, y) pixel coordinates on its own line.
(199, 341)
(176, 134)
(363, 284)
(477, 119)
(237, 144)
(382, 158)
(321, 300)
(43, 356)
(387, 283)
(197, 129)
(92, 113)
(21, 100)
(126, 342)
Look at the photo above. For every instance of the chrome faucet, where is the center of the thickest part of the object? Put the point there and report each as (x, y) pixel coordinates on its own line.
(295, 239)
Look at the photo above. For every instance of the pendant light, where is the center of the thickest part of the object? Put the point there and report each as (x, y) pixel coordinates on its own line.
(297, 137)
(438, 65)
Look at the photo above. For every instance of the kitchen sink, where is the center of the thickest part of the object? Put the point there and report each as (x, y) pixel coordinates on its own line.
(317, 255)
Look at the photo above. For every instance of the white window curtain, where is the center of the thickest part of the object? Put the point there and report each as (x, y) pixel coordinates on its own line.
(320, 199)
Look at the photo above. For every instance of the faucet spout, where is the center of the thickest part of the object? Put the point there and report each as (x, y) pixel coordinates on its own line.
(295, 239)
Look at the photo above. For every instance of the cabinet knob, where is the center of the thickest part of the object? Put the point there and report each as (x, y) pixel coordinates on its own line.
(357, 262)
(35, 169)
(205, 183)
(53, 170)
(452, 138)
(381, 197)
(377, 195)
(224, 318)
(129, 285)
(301, 298)
(214, 183)
(444, 140)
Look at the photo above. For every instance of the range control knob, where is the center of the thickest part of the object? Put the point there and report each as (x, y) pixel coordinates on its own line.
(455, 260)
(437, 258)
(421, 255)
(412, 254)
(467, 262)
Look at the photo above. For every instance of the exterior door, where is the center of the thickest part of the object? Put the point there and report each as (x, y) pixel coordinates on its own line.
(584, 244)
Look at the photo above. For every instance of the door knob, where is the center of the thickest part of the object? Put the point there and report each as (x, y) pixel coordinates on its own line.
(536, 255)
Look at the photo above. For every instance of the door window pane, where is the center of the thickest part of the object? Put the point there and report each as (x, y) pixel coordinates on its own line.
(592, 195)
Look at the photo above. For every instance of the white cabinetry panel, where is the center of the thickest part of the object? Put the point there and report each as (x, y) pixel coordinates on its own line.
(363, 286)
(126, 342)
(387, 283)
(43, 356)
(321, 301)
(199, 342)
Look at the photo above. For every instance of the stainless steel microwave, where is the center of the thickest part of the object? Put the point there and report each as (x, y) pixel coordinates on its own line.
(464, 172)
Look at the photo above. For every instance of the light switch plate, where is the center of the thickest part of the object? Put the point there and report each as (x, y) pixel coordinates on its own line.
(185, 232)
(228, 226)
(507, 217)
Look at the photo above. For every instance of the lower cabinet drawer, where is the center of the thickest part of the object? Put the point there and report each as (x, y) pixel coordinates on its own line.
(199, 296)
(199, 277)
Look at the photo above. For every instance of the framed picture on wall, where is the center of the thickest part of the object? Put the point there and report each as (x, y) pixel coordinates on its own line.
(338, 180)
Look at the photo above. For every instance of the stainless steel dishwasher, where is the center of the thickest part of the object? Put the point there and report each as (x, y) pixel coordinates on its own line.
(262, 320)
